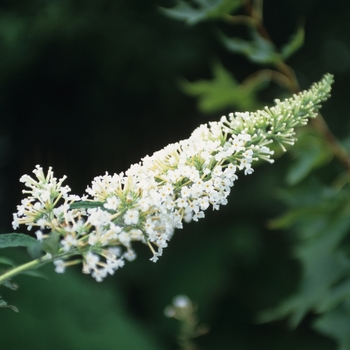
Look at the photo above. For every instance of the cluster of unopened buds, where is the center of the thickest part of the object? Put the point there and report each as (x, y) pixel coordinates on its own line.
(154, 197)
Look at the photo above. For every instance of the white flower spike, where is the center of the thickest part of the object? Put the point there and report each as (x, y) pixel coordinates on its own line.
(154, 197)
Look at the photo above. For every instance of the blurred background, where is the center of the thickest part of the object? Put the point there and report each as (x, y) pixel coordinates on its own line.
(92, 86)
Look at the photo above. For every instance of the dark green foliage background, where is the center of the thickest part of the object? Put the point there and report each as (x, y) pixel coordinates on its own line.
(93, 86)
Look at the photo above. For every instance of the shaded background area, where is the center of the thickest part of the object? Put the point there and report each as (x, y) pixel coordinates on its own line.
(89, 87)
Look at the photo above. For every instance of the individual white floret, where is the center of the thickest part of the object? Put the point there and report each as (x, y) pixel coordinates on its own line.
(60, 266)
(131, 217)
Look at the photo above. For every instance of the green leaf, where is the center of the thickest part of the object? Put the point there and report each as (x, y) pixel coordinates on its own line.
(311, 206)
(51, 244)
(3, 304)
(324, 268)
(336, 325)
(294, 44)
(6, 261)
(9, 284)
(201, 10)
(34, 273)
(35, 251)
(311, 152)
(223, 91)
(8, 240)
(74, 303)
(185, 12)
(303, 215)
(259, 50)
(338, 294)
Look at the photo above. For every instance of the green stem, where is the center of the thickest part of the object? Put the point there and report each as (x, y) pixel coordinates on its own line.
(16, 270)
(288, 72)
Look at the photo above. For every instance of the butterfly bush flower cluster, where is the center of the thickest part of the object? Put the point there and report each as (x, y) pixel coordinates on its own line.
(156, 196)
